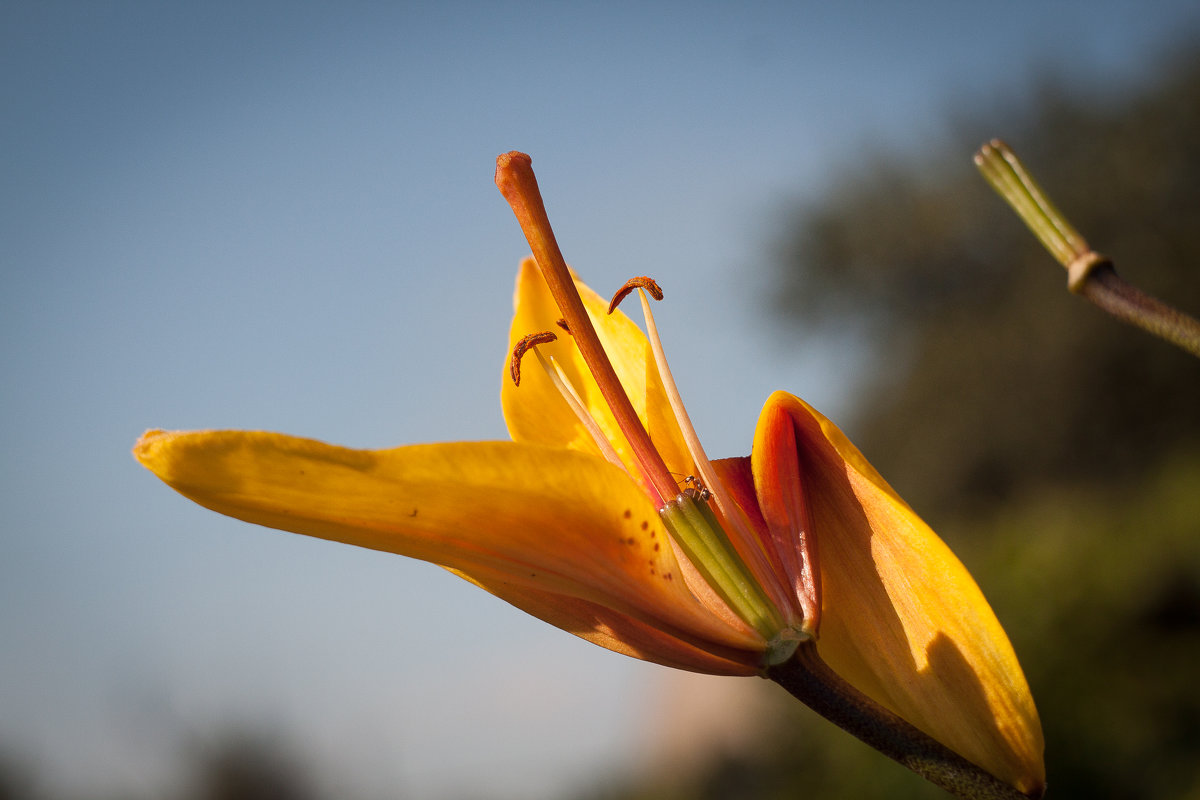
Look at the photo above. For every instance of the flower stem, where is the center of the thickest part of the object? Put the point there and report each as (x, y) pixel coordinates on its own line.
(810, 680)
(1088, 273)
(1129, 304)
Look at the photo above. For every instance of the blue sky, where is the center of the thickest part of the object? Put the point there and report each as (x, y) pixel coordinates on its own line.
(281, 216)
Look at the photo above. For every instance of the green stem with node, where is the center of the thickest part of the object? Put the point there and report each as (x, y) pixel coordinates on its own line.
(1089, 274)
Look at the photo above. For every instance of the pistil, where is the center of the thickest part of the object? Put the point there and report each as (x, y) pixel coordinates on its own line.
(516, 181)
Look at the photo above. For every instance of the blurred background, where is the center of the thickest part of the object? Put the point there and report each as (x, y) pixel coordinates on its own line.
(281, 216)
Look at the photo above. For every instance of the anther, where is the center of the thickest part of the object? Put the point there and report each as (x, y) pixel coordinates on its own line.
(532, 340)
(635, 283)
(562, 323)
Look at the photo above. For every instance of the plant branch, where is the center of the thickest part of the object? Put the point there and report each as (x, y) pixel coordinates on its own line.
(1088, 273)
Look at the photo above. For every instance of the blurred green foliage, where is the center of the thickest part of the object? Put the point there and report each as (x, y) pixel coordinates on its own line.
(989, 376)
(1057, 450)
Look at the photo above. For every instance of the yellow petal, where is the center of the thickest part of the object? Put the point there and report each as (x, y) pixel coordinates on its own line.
(543, 521)
(902, 619)
(536, 413)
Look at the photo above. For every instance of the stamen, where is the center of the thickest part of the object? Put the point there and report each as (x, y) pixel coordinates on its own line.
(745, 542)
(562, 323)
(635, 283)
(563, 384)
(571, 396)
(533, 339)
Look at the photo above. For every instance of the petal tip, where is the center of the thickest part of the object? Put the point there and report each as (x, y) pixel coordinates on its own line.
(145, 444)
(154, 451)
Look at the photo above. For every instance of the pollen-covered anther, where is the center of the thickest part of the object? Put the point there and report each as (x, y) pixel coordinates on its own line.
(526, 342)
(643, 282)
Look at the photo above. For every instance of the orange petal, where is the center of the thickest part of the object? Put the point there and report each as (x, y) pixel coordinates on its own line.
(787, 532)
(902, 619)
(536, 413)
(514, 518)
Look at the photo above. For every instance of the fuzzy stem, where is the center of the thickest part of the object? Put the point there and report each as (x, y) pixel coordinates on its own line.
(1106, 289)
(810, 680)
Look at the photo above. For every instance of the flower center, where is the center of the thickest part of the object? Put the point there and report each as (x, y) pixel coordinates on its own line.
(722, 546)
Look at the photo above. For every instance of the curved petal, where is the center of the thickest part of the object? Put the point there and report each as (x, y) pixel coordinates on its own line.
(536, 413)
(548, 521)
(902, 619)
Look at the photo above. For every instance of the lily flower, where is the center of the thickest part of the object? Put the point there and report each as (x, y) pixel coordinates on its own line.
(605, 517)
